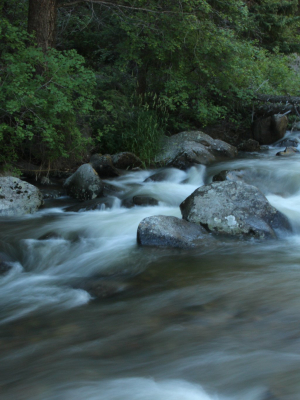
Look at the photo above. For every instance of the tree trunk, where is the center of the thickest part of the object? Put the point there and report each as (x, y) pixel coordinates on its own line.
(42, 21)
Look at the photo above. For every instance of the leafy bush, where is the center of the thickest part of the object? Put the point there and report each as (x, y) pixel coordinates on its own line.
(41, 97)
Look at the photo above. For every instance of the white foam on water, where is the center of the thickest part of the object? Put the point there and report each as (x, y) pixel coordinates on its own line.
(22, 293)
(135, 389)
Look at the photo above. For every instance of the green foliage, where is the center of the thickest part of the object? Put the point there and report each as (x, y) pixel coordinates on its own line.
(41, 97)
(275, 24)
(205, 60)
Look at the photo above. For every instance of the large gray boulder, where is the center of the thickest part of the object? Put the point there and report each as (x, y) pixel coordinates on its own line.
(233, 208)
(167, 231)
(84, 184)
(188, 148)
(18, 198)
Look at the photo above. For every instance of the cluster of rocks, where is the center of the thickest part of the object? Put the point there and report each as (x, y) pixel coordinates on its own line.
(182, 151)
(227, 208)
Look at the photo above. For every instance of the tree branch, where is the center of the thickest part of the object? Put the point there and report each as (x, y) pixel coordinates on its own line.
(106, 3)
(277, 99)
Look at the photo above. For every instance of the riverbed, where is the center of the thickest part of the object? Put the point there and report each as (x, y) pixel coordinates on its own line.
(220, 322)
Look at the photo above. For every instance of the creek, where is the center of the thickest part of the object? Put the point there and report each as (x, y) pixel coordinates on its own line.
(204, 324)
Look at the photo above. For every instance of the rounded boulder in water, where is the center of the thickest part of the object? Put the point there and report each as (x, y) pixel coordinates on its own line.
(84, 184)
(235, 209)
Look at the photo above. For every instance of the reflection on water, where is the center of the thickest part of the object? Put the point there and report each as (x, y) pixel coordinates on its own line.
(216, 323)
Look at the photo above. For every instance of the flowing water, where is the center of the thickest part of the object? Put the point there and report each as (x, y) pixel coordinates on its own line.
(216, 323)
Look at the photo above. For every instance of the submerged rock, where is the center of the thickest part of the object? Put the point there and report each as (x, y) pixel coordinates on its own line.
(4, 267)
(288, 142)
(84, 184)
(235, 209)
(50, 236)
(52, 193)
(167, 231)
(102, 203)
(233, 175)
(100, 288)
(188, 148)
(289, 151)
(18, 198)
(144, 201)
(158, 176)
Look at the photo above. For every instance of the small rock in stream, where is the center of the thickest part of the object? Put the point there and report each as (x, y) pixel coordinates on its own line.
(158, 176)
(289, 151)
(4, 267)
(233, 175)
(100, 288)
(144, 201)
(102, 203)
(50, 235)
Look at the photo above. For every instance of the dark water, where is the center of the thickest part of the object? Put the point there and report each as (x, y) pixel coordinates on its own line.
(217, 323)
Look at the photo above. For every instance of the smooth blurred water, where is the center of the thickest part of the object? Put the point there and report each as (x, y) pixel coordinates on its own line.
(217, 323)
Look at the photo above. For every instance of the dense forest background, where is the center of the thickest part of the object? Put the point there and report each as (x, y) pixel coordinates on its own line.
(109, 76)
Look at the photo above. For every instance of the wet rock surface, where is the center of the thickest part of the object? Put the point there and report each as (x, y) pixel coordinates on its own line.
(103, 165)
(102, 288)
(289, 151)
(49, 236)
(4, 267)
(167, 231)
(235, 209)
(158, 176)
(18, 198)
(84, 184)
(269, 130)
(188, 148)
(288, 142)
(102, 203)
(144, 201)
(233, 175)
